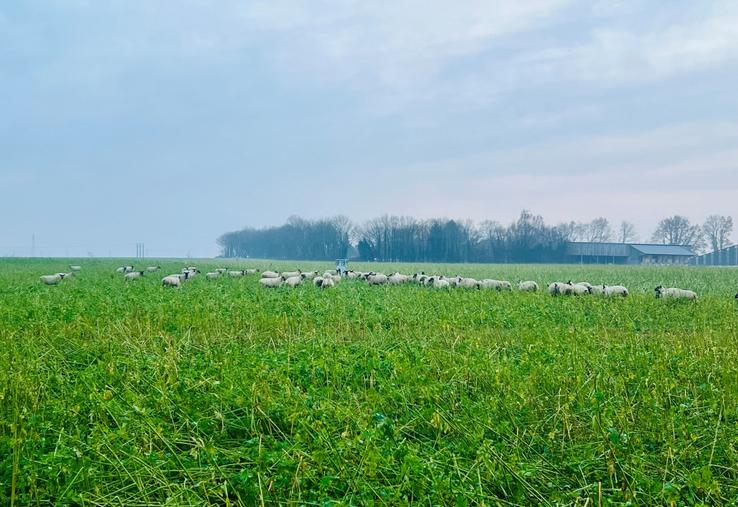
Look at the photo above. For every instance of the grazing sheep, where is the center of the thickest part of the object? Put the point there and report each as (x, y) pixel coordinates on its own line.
(271, 283)
(397, 279)
(124, 269)
(51, 279)
(252, 271)
(438, 282)
(290, 274)
(75, 268)
(294, 281)
(579, 290)
(467, 283)
(376, 279)
(153, 269)
(352, 275)
(614, 290)
(559, 288)
(498, 285)
(212, 275)
(133, 275)
(324, 283)
(674, 293)
(528, 286)
(173, 280)
(236, 274)
(309, 275)
(270, 274)
(599, 289)
(221, 271)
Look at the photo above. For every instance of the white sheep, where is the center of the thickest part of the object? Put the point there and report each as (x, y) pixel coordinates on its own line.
(75, 268)
(397, 279)
(124, 269)
(271, 283)
(133, 275)
(236, 274)
(579, 290)
(376, 279)
(614, 291)
(324, 283)
(51, 279)
(212, 275)
(173, 280)
(467, 283)
(221, 271)
(439, 282)
(528, 286)
(270, 274)
(290, 274)
(559, 288)
(309, 275)
(153, 269)
(293, 281)
(674, 293)
(252, 271)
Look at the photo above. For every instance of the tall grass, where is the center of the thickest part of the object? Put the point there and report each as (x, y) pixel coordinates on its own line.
(222, 393)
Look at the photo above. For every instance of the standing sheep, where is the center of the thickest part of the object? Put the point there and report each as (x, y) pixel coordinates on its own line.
(212, 275)
(528, 286)
(133, 275)
(153, 269)
(674, 293)
(270, 274)
(271, 283)
(376, 279)
(614, 291)
(51, 279)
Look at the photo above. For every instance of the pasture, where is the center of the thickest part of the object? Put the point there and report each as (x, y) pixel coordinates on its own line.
(225, 393)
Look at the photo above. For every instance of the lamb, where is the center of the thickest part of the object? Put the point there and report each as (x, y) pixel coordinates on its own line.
(271, 283)
(52, 279)
(528, 286)
(212, 275)
(376, 279)
(674, 293)
(133, 275)
(236, 274)
(615, 290)
(153, 269)
(75, 268)
(270, 274)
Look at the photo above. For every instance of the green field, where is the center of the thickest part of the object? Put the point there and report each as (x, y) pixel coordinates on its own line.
(223, 393)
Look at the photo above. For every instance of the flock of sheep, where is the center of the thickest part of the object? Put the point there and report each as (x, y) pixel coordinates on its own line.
(273, 280)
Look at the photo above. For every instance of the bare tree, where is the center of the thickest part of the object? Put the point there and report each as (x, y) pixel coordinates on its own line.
(678, 230)
(717, 230)
(627, 233)
(596, 231)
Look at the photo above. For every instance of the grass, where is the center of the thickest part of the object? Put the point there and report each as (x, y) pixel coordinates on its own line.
(222, 393)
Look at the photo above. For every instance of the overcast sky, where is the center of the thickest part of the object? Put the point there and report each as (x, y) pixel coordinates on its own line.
(171, 122)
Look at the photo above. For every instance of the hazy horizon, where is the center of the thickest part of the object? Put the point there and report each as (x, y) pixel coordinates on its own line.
(170, 124)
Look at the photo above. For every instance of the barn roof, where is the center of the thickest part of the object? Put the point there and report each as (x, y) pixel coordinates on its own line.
(678, 250)
(583, 248)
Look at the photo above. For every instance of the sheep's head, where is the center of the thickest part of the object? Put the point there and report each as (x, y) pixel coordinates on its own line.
(658, 290)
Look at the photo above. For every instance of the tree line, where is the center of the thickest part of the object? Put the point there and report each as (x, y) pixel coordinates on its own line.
(408, 239)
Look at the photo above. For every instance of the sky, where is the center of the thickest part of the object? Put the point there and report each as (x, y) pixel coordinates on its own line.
(172, 122)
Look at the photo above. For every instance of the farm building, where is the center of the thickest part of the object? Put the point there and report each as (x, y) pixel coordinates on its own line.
(725, 257)
(627, 253)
